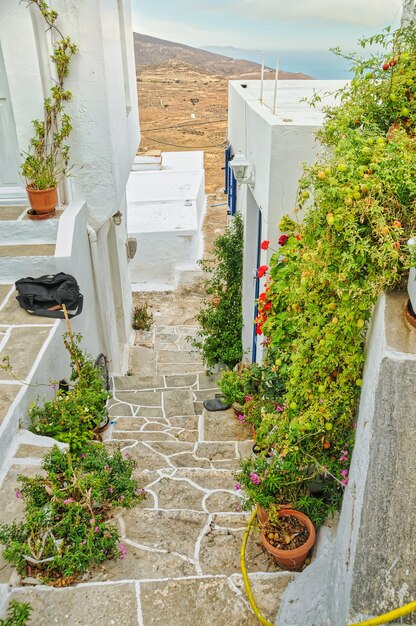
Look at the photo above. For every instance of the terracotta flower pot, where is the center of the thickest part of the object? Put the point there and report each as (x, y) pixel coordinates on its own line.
(42, 201)
(292, 559)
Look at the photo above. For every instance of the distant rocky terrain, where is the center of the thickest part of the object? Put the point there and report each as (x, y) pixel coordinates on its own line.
(151, 51)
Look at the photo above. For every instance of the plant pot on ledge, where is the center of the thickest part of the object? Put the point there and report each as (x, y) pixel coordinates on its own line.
(293, 558)
(43, 202)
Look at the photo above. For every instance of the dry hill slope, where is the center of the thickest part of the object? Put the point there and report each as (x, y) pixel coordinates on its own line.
(151, 51)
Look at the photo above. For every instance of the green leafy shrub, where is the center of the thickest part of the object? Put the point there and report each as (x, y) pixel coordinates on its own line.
(18, 614)
(68, 527)
(72, 416)
(360, 200)
(142, 318)
(236, 385)
(221, 317)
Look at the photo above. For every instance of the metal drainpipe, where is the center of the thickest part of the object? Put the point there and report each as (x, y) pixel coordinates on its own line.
(99, 285)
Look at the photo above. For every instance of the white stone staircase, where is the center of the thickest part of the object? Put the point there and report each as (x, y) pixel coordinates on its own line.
(27, 247)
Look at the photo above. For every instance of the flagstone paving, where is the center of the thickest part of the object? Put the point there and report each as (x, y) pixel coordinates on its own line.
(183, 543)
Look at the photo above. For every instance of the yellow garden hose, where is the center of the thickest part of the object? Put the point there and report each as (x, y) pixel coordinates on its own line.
(253, 605)
(375, 621)
(389, 617)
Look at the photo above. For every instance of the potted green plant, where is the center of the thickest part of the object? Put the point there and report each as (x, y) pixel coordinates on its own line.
(46, 163)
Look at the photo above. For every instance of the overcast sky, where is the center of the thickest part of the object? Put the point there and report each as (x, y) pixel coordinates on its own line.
(265, 24)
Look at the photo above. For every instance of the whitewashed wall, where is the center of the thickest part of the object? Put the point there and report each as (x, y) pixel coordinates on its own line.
(105, 133)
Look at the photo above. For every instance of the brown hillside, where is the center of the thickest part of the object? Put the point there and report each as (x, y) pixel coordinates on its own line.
(150, 51)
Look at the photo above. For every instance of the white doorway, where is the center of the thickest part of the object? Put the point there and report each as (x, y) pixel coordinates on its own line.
(11, 189)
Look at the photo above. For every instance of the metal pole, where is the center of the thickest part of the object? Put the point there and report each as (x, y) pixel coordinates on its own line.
(262, 80)
(276, 78)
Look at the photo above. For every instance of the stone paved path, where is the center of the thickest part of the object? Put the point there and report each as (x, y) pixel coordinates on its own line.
(182, 565)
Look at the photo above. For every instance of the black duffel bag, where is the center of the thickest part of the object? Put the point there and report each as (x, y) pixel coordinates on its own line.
(45, 295)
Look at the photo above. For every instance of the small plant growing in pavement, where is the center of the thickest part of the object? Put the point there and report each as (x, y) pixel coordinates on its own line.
(142, 317)
(68, 527)
(221, 319)
(18, 614)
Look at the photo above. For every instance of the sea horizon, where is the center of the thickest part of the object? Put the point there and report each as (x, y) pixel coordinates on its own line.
(319, 64)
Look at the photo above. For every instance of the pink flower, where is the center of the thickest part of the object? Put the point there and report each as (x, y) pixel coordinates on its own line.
(255, 478)
(122, 498)
(279, 408)
(110, 489)
(344, 482)
(241, 418)
(68, 501)
(237, 487)
(18, 493)
(344, 455)
(344, 473)
(248, 398)
(83, 455)
(282, 240)
(96, 529)
(123, 551)
(83, 542)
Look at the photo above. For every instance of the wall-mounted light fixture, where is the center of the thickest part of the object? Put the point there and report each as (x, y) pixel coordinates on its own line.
(117, 217)
(240, 166)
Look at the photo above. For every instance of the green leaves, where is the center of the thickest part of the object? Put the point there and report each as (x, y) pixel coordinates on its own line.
(221, 315)
(67, 527)
(72, 416)
(324, 285)
(46, 162)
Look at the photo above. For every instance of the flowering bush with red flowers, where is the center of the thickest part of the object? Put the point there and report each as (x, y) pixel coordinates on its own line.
(326, 278)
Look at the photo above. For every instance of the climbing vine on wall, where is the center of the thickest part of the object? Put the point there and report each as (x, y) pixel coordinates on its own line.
(359, 201)
(47, 159)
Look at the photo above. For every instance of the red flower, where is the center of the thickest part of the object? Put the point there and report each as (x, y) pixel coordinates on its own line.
(261, 271)
(267, 306)
(298, 237)
(259, 330)
(282, 240)
(265, 244)
(262, 297)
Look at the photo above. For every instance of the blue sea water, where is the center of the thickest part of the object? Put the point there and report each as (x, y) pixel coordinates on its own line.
(320, 64)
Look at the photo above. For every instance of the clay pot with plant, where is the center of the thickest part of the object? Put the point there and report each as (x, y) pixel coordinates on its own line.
(46, 163)
(288, 535)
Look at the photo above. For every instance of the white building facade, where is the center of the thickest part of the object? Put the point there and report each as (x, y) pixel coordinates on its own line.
(103, 142)
(275, 146)
(165, 209)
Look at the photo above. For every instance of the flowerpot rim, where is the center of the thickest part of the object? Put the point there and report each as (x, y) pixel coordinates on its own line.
(34, 190)
(297, 552)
